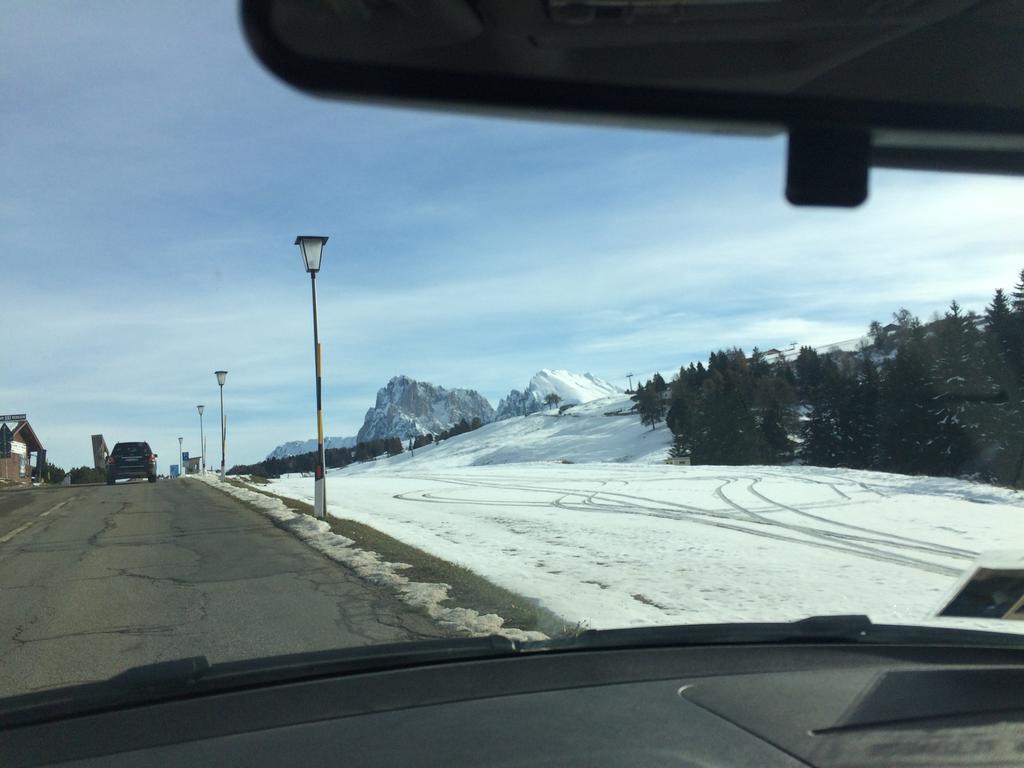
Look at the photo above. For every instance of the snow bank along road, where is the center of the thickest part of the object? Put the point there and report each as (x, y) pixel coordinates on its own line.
(97, 579)
(627, 544)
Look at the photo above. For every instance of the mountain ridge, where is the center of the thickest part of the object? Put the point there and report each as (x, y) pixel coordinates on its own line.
(406, 408)
(296, 447)
(571, 388)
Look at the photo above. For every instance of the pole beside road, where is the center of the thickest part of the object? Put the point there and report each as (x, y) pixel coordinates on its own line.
(320, 481)
(312, 247)
(202, 439)
(221, 375)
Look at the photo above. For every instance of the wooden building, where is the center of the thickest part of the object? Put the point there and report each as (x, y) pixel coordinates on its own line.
(24, 452)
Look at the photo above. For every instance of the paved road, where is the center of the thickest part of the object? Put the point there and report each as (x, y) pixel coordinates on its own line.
(97, 579)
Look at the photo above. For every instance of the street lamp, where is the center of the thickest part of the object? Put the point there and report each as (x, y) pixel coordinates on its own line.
(202, 439)
(220, 381)
(312, 248)
(181, 458)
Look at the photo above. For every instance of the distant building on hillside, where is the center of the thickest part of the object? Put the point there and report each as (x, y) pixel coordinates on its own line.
(21, 451)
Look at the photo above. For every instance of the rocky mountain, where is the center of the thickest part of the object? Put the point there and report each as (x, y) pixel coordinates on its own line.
(295, 447)
(406, 408)
(573, 388)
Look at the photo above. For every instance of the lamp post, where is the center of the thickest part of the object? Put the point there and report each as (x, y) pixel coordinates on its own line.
(202, 439)
(312, 248)
(221, 375)
(181, 458)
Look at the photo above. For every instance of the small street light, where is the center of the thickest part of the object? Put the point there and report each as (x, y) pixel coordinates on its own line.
(202, 439)
(181, 458)
(312, 247)
(221, 375)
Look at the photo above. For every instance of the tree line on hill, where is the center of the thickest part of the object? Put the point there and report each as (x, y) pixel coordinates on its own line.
(367, 450)
(940, 398)
(79, 475)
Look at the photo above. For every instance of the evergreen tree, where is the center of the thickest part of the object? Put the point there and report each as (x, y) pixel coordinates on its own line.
(650, 405)
(951, 384)
(725, 430)
(908, 428)
(808, 373)
(777, 445)
(52, 474)
(680, 416)
(862, 452)
(1018, 297)
(821, 431)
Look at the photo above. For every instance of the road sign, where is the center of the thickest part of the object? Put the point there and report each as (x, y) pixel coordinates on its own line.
(174, 470)
(184, 456)
(5, 442)
(14, 417)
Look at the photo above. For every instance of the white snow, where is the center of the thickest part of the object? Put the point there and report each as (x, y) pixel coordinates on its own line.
(612, 545)
(582, 433)
(571, 387)
(618, 538)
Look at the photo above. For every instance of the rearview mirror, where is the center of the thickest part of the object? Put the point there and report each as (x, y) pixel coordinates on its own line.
(934, 84)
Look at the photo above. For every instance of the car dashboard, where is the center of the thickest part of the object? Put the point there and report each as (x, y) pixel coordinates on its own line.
(766, 705)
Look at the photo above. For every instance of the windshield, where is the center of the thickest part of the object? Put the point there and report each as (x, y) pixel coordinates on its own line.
(539, 378)
(130, 449)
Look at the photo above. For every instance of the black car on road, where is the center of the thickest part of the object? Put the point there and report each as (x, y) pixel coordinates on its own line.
(131, 460)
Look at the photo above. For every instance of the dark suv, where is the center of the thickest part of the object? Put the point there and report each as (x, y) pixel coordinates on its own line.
(131, 460)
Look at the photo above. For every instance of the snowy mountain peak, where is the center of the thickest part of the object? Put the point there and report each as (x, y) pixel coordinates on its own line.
(406, 408)
(572, 388)
(297, 447)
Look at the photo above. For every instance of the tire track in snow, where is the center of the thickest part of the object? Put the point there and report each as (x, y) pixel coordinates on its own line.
(844, 543)
(852, 542)
(887, 539)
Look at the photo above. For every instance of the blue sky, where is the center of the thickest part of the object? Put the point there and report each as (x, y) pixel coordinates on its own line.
(154, 178)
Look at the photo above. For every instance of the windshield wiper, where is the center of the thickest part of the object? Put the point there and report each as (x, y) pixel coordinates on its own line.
(159, 681)
(815, 629)
(196, 676)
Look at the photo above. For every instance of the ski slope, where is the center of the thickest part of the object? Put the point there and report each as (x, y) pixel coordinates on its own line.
(582, 433)
(571, 387)
(617, 538)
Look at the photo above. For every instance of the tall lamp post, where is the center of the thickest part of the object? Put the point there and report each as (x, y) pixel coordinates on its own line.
(181, 459)
(221, 375)
(202, 439)
(312, 248)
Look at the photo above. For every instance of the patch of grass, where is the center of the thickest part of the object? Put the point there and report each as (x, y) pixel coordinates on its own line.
(467, 589)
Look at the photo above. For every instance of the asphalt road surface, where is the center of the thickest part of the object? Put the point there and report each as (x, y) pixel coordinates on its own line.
(94, 580)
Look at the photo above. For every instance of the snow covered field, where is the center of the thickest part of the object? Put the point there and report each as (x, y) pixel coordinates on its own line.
(620, 539)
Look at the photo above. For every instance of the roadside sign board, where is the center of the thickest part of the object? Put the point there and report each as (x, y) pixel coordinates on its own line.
(14, 417)
(174, 470)
(184, 456)
(5, 442)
